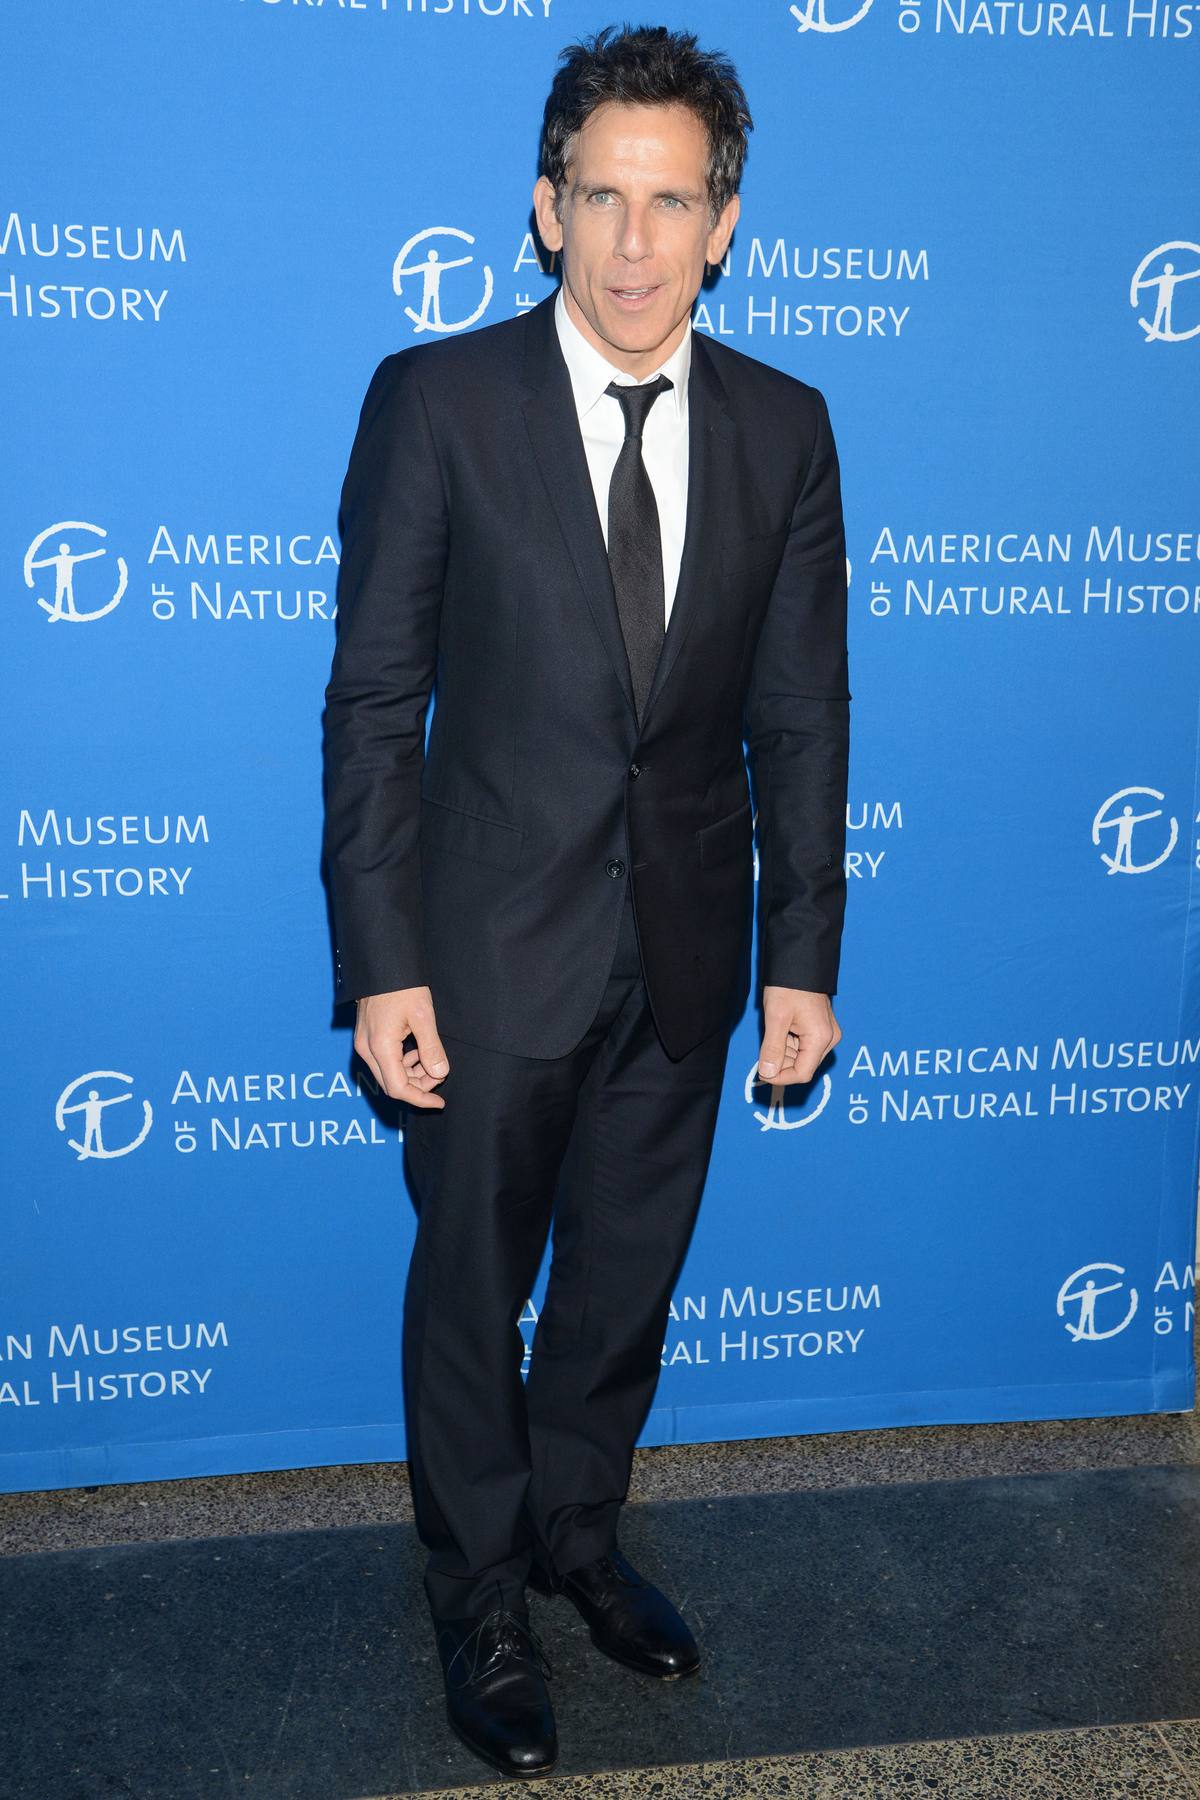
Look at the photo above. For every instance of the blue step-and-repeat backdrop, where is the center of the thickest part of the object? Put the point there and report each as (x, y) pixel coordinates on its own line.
(975, 225)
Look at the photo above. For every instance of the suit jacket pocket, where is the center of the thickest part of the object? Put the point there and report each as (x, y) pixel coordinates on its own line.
(725, 837)
(469, 834)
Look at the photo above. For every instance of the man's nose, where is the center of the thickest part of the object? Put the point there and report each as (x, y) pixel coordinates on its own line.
(634, 238)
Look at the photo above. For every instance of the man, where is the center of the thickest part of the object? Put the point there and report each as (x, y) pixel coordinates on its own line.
(619, 549)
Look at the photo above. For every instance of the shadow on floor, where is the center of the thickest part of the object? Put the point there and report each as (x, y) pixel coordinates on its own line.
(300, 1666)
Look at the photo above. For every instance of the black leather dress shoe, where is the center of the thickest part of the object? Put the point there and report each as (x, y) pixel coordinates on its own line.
(495, 1672)
(630, 1620)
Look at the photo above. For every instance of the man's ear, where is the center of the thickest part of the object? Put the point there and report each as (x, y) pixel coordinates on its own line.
(548, 223)
(722, 231)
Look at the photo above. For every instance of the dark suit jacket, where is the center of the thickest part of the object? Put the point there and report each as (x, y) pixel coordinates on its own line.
(491, 866)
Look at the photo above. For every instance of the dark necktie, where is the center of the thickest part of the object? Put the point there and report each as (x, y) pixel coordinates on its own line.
(634, 541)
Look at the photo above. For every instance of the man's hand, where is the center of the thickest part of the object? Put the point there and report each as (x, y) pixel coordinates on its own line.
(384, 1021)
(799, 1029)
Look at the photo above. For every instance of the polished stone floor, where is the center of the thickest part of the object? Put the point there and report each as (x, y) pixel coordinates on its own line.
(1027, 1632)
(980, 1612)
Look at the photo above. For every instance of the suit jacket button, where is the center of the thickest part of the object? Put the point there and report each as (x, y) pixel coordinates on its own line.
(615, 868)
(635, 770)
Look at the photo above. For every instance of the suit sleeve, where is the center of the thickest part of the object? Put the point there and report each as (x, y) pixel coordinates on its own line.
(798, 735)
(389, 598)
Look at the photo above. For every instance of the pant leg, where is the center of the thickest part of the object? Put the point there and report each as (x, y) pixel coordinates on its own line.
(482, 1172)
(626, 1203)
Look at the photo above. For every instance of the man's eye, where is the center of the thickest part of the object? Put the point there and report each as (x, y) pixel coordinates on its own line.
(672, 200)
(602, 195)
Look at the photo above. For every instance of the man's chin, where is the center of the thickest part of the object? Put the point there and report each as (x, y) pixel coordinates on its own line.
(637, 333)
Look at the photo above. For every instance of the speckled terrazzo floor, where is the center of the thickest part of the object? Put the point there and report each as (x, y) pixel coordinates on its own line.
(1003, 1610)
(298, 1665)
(1146, 1761)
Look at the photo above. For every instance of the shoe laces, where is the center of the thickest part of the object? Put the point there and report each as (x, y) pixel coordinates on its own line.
(500, 1633)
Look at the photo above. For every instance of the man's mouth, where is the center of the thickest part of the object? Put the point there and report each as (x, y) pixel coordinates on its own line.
(633, 296)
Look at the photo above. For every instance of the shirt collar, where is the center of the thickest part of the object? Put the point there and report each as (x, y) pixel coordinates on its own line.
(591, 372)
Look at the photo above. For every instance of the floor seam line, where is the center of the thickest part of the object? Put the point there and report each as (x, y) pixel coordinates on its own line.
(1191, 1781)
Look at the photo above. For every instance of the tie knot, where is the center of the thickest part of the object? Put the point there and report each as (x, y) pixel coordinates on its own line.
(636, 401)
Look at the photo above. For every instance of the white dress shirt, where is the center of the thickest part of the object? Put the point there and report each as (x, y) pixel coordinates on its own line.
(664, 437)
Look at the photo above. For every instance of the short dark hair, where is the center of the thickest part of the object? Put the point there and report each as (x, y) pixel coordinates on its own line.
(648, 65)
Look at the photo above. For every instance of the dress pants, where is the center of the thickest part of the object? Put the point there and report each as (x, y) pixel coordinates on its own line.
(611, 1144)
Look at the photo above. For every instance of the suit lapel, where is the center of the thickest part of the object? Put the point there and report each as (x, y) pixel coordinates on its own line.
(557, 441)
(553, 427)
(710, 464)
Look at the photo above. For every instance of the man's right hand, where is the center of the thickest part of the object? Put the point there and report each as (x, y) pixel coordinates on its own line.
(384, 1021)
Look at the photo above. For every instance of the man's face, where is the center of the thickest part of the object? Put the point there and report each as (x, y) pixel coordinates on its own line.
(634, 232)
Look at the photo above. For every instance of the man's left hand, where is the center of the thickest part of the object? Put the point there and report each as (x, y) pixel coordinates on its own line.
(799, 1030)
